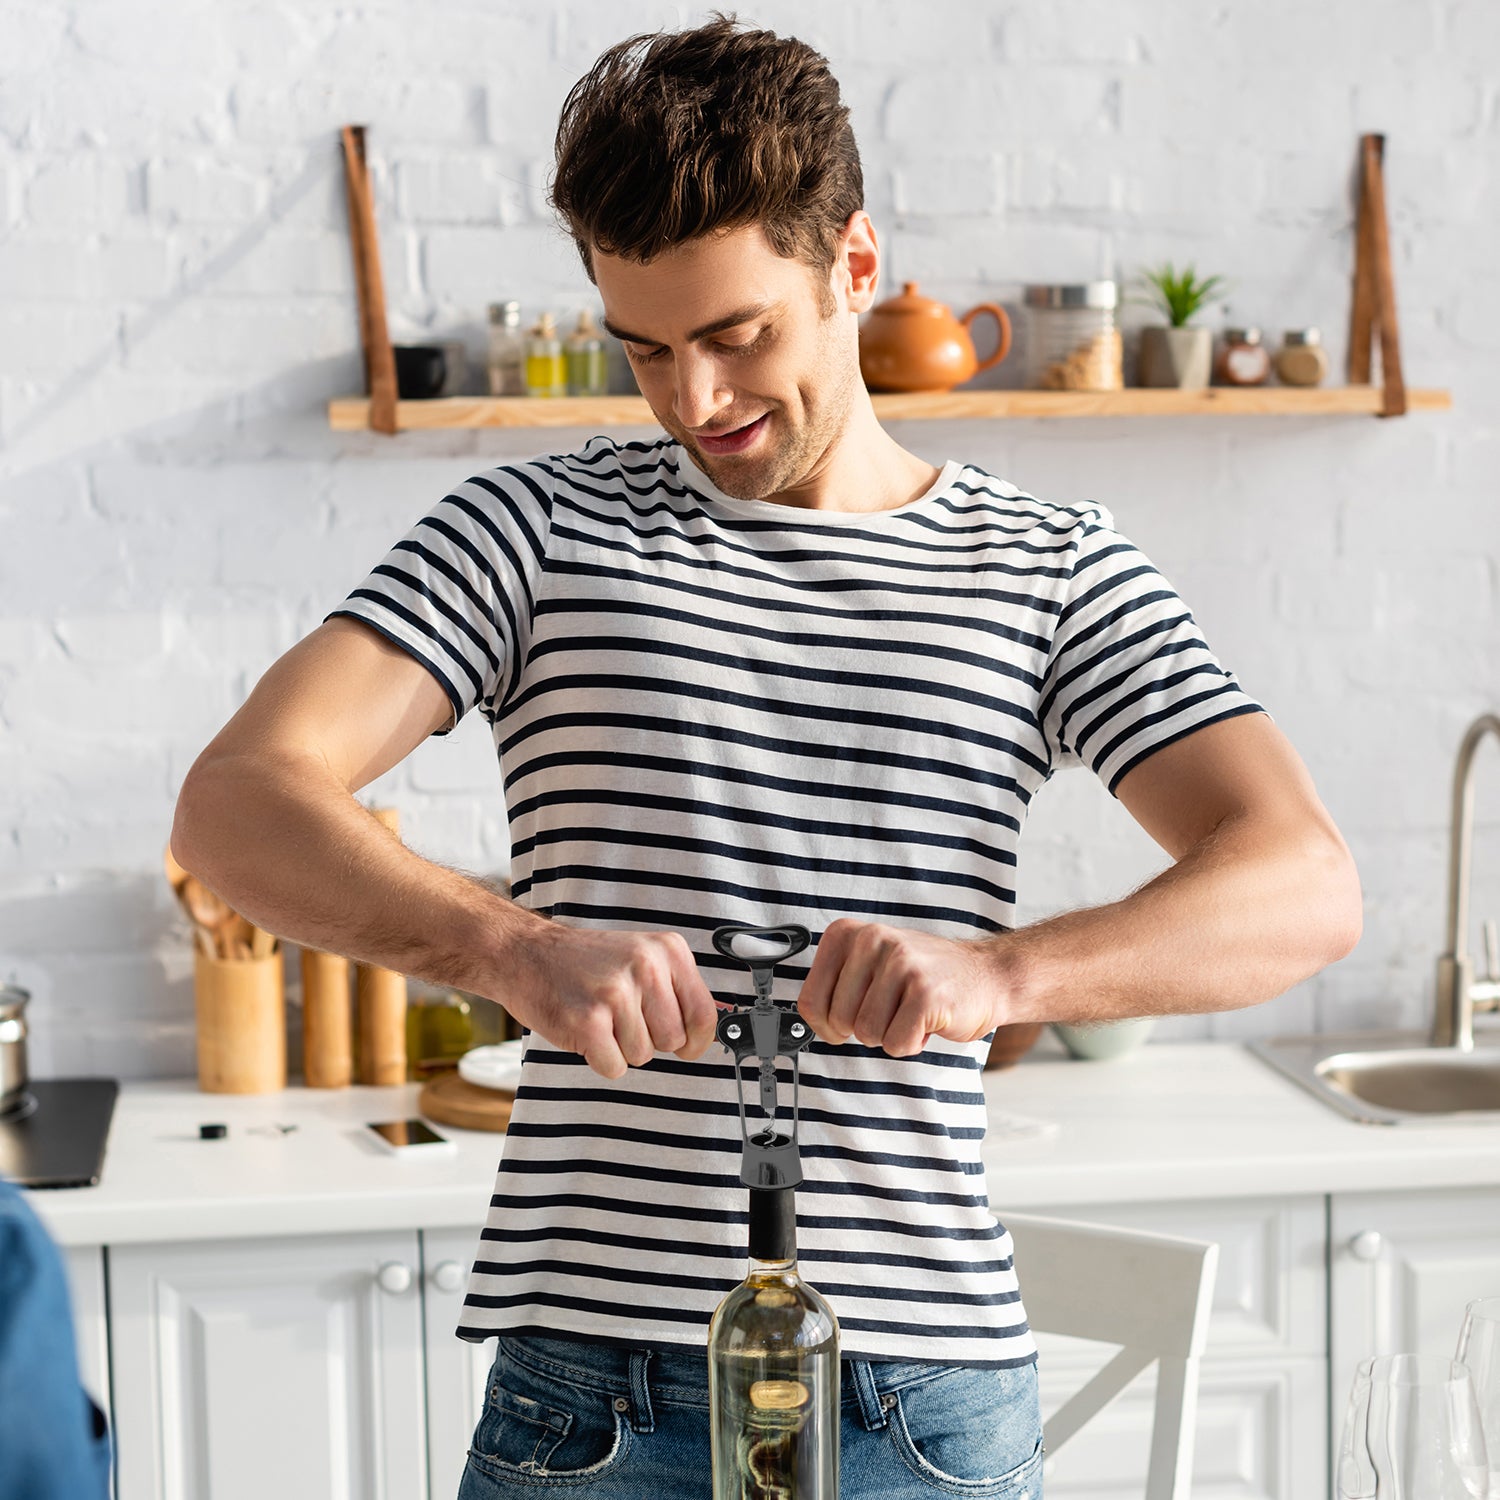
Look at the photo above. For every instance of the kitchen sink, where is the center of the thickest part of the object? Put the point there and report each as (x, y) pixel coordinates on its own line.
(1433, 1077)
(1392, 1077)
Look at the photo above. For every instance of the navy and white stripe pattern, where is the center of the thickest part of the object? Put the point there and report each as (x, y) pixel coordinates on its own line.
(711, 710)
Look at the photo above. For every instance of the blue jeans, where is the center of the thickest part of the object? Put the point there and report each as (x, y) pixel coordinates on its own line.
(632, 1424)
(54, 1444)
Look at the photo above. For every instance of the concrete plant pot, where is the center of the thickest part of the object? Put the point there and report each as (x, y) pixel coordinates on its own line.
(1176, 358)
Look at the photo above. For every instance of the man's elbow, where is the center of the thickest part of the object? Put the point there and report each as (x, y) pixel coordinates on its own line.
(1338, 902)
(195, 820)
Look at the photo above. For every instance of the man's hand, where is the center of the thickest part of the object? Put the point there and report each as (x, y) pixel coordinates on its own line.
(616, 998)
(894, 988)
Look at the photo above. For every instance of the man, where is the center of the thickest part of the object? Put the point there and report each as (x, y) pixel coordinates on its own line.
(771, 668)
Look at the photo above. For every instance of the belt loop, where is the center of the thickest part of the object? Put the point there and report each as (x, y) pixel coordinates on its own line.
(871, 1410)
(642, 1418)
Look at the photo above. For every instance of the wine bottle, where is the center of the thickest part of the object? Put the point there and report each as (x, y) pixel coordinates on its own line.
(773, 1371)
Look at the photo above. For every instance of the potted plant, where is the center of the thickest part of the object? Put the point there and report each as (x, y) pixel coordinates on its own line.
(1177, 355)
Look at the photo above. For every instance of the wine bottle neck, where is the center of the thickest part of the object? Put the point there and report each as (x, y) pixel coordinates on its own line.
(773, 1268)
(773, 1226)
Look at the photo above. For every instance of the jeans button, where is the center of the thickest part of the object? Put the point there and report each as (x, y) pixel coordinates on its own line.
(621, 1404)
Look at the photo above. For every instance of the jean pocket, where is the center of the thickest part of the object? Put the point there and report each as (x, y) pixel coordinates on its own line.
(543, 1429)
(973, 1432)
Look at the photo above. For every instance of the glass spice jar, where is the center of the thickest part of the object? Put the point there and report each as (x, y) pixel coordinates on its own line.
(1242, 358)
(1072, 343)
(1302, 359)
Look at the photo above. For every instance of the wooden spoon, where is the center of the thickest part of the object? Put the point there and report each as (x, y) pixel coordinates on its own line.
(222, 932)
(211, 912)
(178, 879)
(255, 941)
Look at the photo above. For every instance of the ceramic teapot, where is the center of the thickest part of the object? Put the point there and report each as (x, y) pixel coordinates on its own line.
(913, 343)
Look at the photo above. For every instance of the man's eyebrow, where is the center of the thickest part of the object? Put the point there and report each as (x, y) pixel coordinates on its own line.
(733, 320)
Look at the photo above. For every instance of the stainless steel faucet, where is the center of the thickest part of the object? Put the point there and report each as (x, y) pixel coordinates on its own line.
(1459, 994)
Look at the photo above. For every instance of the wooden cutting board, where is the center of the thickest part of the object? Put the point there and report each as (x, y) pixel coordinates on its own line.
(451, 1100)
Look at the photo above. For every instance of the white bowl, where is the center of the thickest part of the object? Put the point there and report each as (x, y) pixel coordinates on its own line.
(493, 1067)
(1107, 1039)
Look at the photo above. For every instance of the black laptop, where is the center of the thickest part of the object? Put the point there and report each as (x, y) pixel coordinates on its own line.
(55, 1136)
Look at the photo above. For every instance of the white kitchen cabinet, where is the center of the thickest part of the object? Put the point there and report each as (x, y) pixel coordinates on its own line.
(84, 1265)
(456, 1370)
(1262, 1404)
(286, 1367)
(1402, 1268)
(1260, 1432)
(245, 1329)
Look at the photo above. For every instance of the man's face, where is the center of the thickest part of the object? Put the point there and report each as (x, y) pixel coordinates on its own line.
(724, 334)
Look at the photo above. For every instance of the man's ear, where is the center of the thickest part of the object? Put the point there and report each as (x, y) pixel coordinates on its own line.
(856, 265)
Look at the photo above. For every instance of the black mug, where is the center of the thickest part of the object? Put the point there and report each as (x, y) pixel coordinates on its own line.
(421, 370)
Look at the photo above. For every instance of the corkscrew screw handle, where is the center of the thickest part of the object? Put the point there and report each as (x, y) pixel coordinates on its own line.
(760, 949)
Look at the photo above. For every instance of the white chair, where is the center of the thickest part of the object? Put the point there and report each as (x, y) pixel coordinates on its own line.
(1148, 1293)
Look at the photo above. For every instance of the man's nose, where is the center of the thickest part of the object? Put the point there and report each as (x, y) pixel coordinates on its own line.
(700, 392)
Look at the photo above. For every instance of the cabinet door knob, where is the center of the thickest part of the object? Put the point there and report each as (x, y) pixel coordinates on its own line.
(448, 1276)
(394, 1277)
(1367, 1245)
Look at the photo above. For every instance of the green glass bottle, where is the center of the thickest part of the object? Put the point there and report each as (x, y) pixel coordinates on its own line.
(588, 373)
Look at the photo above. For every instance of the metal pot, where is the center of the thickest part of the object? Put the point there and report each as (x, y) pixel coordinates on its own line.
(13, 1075)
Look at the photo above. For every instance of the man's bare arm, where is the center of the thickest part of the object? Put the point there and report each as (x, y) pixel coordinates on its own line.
(1263, 893)
(267, 818)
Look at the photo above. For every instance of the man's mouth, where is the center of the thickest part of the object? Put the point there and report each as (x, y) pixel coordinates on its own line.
(734, 439)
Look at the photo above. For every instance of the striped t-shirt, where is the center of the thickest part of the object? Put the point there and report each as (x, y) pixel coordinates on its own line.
(712, 710)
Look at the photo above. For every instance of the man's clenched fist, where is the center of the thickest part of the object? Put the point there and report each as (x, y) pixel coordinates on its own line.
(894, 988)
(617, 998)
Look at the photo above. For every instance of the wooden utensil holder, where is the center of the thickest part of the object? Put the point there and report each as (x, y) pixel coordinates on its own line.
(241, 1012)
(327, 1032)
(382, 1025)
(382, 996)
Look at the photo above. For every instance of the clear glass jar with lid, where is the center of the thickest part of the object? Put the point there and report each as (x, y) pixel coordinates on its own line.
(505, 356)
(1072, 343)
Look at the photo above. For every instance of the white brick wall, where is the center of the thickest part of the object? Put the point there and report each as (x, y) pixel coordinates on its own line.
(176, 306)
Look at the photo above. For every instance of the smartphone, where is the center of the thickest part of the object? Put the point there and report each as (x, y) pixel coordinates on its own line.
(410, 1137)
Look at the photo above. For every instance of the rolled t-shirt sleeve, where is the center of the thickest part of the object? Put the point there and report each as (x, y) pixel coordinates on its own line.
(1129, 671)
(458, 591)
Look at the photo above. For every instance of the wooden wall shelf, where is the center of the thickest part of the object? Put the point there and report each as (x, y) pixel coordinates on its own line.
(351, 413)
(1372, 324)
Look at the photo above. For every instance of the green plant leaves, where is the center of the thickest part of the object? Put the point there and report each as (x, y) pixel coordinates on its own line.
(1179, 294)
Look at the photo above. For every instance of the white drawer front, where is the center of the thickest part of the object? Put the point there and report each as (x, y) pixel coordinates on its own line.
(1260, 1432)
(1270, 1292)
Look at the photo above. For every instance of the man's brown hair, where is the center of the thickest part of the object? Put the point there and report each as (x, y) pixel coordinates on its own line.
(674, 135)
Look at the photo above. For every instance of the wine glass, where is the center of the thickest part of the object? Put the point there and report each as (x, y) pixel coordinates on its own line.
(1412, 1432)
(1479, 1349)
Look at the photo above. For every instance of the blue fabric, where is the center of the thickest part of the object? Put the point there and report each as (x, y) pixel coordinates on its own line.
(612, 1423)
(54, 1442)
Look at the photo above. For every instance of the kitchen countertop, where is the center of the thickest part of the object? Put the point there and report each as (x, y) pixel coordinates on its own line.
(1171, 1121)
